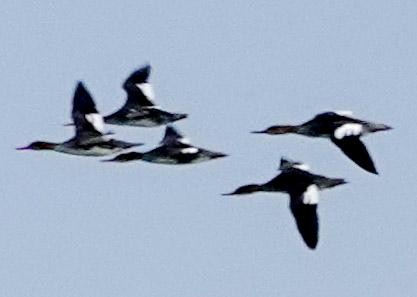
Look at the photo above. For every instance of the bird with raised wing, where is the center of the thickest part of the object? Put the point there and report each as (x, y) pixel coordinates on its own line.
(90, 138)
(342, 129)
(139, 109)
(303, 187)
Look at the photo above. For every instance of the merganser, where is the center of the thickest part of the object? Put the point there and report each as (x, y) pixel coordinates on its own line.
(303, 188)
(90, 138)
(175, 149)
(342, 129)
(139, 110)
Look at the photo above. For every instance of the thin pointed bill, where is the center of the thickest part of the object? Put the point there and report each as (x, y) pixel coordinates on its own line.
(109, 160)
(259, 132)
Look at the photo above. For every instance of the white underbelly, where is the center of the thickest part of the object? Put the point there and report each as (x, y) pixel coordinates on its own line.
(172, 161)
(161, 160)
(92, 152)
(144, 123)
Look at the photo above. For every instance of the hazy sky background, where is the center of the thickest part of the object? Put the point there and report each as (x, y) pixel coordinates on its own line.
(72, 226)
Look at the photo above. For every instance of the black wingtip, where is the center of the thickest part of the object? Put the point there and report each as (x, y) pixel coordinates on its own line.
(83, 101)
(311, 240)
(170, 130)
(80, 85)
(368, 166)
(356, 150)
(139, 76)
(80, 89)
(312, 245)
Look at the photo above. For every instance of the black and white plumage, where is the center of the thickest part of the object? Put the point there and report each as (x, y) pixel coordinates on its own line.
(139, 109)
(303, 187)
(90, 138)
(88, 122)
(174, 149)
(342, 129)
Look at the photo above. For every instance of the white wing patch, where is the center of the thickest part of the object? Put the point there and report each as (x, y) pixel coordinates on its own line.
(345, 113)
(311, 195)
(96, 120)
(152, 107)
(350, 129)
(184, 140)
(303, 167)
(147, 90)
(287, 163)
(189, 150)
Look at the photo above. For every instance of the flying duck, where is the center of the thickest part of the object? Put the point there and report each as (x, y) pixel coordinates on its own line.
(90, 138)
(342, 129)
(303, 187)
(175, 149)
(139, 110)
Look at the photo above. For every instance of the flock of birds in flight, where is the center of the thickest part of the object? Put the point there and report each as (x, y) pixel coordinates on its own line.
(295, 178)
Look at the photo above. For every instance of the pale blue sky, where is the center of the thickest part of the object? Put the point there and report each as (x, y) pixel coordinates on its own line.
(72, 226)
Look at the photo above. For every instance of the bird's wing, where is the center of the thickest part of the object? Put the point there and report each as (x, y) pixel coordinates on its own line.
(304, 209)
(139, 91)
(172, 137)
(356, 150)
(88, 122)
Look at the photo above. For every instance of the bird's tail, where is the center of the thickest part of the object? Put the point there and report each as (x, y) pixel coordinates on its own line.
(379, 127)
(325, 182)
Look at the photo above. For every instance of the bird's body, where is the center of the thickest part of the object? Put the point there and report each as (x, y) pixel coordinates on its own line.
(174, 150)
(93, 149)
(139, 109)
(303, 188)
(342, 129)
(90, 138)
(143, 117)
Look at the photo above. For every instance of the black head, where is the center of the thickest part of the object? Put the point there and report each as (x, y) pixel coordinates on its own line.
(38, 146)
